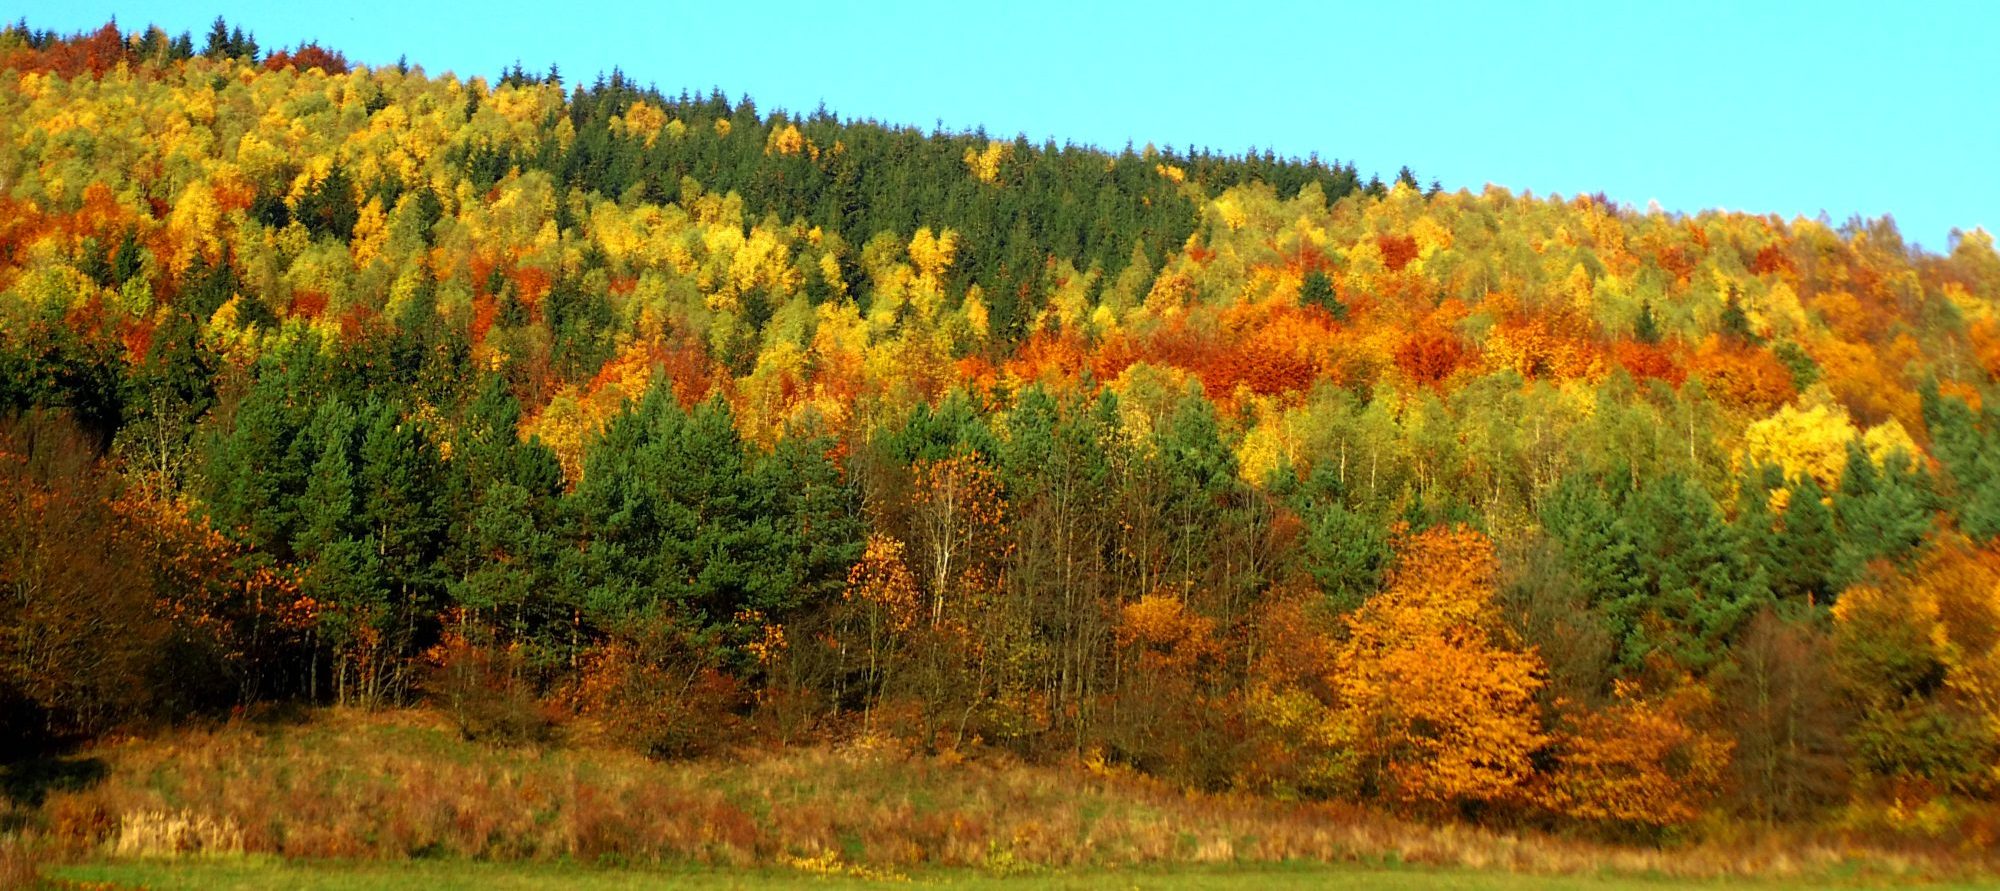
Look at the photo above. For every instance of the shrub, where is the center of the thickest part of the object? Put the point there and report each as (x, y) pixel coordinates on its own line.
(487, 691)
(661, 690)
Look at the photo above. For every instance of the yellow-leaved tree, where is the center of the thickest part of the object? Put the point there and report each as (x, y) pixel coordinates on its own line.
(1806, 439)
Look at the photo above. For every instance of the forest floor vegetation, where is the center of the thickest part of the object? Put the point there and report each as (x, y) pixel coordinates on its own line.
(345, 798)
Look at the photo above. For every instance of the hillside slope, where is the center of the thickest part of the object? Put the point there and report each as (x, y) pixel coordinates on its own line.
(335, 385)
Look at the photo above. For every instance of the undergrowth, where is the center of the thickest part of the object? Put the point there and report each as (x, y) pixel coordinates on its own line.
(400, 785)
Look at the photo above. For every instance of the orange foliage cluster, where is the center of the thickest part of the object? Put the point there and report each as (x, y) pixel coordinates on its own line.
(1742, 376)
(1430, 358)
(208, 575)
(97, 54)
(1645, 361)
(1281, 350)
(1986, 346)
(309, 57)
(1398, 249)
(1643, 762)
(1427, 697)
(882, 580)
(1442, 703)
(1554, 344)
(1168, 637)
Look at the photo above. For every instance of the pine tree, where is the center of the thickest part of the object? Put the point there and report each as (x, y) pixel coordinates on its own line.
(1881, 515)
(1808, 548)
(1735, 322)
(1756, 525)
(399, 484)
(1345, 553)
(1701, 583)
(1647, 328)
(1316, 289)
(818, 515)
(218, 40)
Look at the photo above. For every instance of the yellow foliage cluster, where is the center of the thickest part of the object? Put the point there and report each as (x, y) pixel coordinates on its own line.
(985, 163)
(788, 141)
(1803, 441)
(643, 120)
(576, 414)
(933, 253)
(882, 579)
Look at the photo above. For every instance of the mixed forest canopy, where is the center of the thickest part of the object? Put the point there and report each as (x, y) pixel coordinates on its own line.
(335, 384)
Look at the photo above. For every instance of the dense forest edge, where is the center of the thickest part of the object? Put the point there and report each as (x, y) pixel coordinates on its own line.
(588, 412)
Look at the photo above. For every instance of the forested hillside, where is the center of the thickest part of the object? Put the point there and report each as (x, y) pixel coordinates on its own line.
(548, 403)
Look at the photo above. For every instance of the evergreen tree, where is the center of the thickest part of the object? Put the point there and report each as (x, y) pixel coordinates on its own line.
(1808, 548)
(1647, 328)
(1735, 322)
(1316, 289)
(218, 40)
(1701, 584)
(398, 486)
(818, 514)
(1756, 525)
(1673, 580)
(1805, 372)
(1345, 553)
(1881, 515)
(674, 522)
(327, 509)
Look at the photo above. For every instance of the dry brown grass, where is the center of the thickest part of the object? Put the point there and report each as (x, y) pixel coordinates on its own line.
(400, 785)
(175, 834)
(21, 859)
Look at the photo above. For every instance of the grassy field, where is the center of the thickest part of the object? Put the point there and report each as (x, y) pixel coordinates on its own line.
(359, 800)
(261, 873)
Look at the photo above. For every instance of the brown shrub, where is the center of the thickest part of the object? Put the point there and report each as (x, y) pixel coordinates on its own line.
(486, 689)
(660, 691)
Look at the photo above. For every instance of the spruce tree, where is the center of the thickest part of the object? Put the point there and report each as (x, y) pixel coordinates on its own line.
(1808, 547)
(1884, 514)
(1647, 328)
(1316, 289)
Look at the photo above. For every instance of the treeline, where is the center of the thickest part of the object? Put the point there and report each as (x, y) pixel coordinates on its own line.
(335, 385)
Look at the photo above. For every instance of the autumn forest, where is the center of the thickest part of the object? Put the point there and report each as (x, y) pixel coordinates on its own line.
(544, 404)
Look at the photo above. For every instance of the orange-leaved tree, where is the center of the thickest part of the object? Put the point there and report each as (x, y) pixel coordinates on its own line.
(1168, 713)
(1640, 761)
(883, 606)
(1442, 703)
(960, 514)
(1301, 741)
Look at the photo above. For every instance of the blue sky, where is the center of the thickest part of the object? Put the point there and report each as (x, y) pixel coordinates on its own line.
(1791, 108)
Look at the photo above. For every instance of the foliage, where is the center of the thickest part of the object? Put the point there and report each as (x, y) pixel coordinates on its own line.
(1443, 709)
(331, 383)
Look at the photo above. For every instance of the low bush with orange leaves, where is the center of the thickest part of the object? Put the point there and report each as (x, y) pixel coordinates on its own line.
(660, 690)
(487, 689)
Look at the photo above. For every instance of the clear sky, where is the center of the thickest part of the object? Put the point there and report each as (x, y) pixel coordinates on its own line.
(1794, 108)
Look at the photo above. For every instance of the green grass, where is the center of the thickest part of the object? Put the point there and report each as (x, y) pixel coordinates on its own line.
(262, 873)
